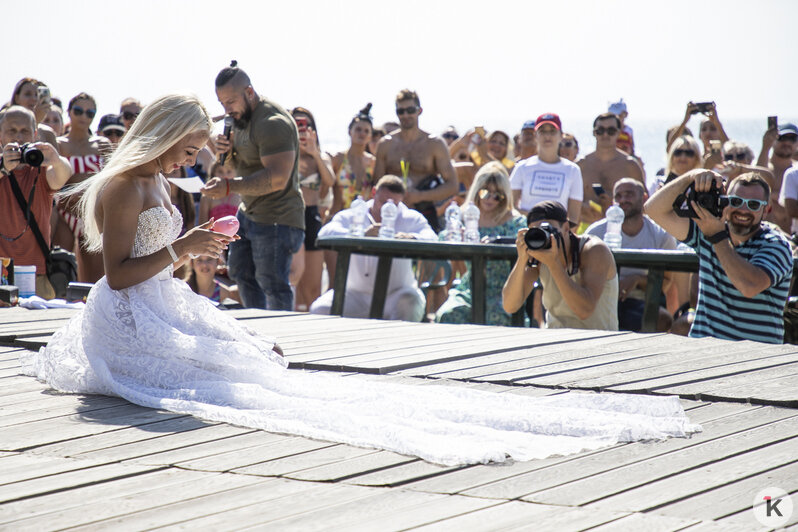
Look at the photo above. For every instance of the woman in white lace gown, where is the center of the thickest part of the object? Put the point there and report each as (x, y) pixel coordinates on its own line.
(146, 337)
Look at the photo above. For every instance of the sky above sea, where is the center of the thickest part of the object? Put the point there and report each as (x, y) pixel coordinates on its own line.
(494, 64)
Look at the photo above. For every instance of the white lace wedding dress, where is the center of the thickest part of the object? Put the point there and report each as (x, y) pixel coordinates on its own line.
(159, 345)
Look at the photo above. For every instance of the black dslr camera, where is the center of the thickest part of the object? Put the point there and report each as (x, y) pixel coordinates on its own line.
(29, 154)
(540, 237)
(712, 201)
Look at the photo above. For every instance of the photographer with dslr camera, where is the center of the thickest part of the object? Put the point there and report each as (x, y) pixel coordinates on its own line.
(745, 264)
(578, 273)
(37, 172)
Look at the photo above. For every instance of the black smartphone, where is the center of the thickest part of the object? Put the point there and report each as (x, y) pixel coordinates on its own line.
(773, 122)
(705, 107)
(598, 189)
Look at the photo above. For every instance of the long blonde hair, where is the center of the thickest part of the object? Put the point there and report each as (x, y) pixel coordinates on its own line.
(683, 142)
(160, 126)
(492, 173)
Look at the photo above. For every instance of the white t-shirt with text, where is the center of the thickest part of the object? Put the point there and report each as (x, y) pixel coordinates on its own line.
(539, 181)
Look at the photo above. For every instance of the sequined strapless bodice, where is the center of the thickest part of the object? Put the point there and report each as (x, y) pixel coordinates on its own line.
(156, 228)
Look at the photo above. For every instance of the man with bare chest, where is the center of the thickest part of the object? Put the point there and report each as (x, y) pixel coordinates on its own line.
(420, 159)
(605, 166)
(85, 153)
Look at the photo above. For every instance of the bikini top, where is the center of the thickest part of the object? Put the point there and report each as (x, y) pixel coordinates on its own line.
(313, 181)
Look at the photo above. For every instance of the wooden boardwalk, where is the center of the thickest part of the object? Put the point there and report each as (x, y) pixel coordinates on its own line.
(94, 463)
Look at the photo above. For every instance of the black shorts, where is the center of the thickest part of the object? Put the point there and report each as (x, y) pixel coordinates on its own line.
(312, 227)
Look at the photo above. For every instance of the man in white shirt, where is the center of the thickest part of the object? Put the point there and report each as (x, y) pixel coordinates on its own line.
(637, 232)
(404, 301)
(547, 176)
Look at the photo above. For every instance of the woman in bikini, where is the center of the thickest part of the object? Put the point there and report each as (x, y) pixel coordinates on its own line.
(354, 168)
(85, 153)
(315, 179)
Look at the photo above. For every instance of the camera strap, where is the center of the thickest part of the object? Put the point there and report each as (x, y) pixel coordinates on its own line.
(30, 219)
(576, 252)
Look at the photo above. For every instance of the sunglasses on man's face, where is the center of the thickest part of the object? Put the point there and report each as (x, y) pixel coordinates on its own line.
(740, 156)
(608, 130)
(78, 110)
(112, 133)
(567, 144)
(788, 138)
(128, 115)
(496, 196)
(687, 153)
(753, 204)
(409, 110)
(448, 136)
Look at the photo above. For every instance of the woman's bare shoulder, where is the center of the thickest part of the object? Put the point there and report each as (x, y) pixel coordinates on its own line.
(122, 189)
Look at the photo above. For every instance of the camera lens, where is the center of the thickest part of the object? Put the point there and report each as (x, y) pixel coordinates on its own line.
(30, 155)
(537, 238)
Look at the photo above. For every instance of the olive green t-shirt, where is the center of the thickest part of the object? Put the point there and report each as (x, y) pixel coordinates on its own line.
(270, 130)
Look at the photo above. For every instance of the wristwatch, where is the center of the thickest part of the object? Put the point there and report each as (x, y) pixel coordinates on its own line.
(720, 236)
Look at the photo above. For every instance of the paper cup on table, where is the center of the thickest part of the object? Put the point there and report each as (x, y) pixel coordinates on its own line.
(25, 279)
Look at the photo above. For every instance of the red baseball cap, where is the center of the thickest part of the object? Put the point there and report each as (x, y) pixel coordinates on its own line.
(548, 118)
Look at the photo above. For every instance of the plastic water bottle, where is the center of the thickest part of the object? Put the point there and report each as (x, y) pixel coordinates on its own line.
(358, 206)
(471, 219)
(612, 236)
(454, 227)
(388, 223)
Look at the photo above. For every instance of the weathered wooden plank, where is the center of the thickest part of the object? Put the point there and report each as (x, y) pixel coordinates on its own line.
(733, 497)
(67, 475)
(138, 441)
(273, 450)
(110, 508)
(456, 351)
(358, 465)
(47, 431)
(469, 478)
(517, 515)
(56, 406)
(19, 384)
(648, 522)
(236, 508)
(391, 510)
(773, 385)
(629, 372)
(627, 465)
(653, 483)
(587, 353)
(314, 458)
(733, 363)
(216, 447)
(22, 511)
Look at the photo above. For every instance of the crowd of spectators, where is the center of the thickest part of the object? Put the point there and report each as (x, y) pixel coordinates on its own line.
(270, 170)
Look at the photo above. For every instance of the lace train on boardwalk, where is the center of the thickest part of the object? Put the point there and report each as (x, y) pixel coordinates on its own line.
(159, 345)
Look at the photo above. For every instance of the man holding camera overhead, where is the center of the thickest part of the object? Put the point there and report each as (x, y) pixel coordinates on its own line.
(578, 273)
(36, 182)
(745, 265)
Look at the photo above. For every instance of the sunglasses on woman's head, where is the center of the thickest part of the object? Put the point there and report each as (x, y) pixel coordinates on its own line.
(78, 110)
(740, 156)
(753, 204)
(686, 152)
(485, 194)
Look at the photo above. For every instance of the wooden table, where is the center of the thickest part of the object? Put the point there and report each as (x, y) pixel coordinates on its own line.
(386, 250)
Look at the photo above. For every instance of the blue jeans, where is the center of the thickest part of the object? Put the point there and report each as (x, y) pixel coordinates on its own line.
(259, 263)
